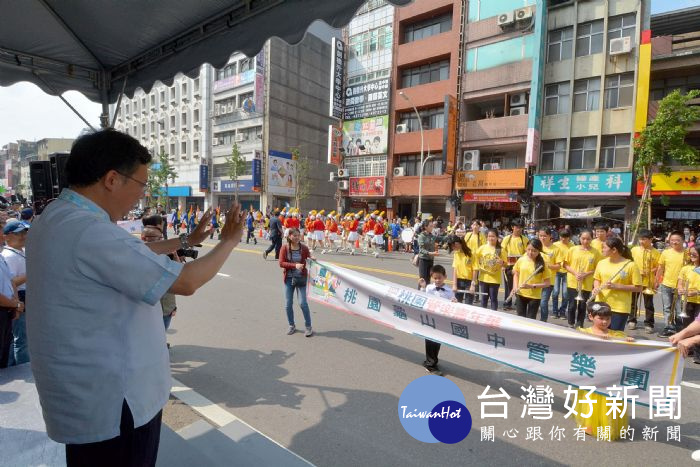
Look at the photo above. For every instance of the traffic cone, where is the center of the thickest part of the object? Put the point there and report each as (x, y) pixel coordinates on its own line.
(260, 233)
(357, 243)
(389, 242)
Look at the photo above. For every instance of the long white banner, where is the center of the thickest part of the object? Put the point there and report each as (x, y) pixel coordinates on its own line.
(546, 350)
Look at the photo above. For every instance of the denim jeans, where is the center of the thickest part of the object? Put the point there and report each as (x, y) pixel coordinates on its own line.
(544, 303)
(289, 299)
(492, 291)
(19, 350)
(666, 301)
(560, 286)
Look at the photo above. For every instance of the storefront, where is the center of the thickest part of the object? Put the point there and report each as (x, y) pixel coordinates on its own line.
(492, 194)
(682, 190)
(367, 194)
(224, 192)
(610, 191)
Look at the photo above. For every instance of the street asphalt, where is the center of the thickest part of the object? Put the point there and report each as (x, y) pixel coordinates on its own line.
(333, 398)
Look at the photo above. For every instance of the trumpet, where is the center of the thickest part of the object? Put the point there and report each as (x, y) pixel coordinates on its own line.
(646, 264)
(607, 284)
(517, 289)
(683, 294)
(579, 286)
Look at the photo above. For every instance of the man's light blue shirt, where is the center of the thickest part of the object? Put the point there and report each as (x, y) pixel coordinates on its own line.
(96, 334)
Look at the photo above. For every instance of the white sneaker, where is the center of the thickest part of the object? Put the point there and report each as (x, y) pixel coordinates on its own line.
(309, 332)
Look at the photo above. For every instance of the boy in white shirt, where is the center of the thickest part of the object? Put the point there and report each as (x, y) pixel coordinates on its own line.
(438, 288)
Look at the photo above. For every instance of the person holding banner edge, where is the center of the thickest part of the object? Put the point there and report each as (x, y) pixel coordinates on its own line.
(530, 277)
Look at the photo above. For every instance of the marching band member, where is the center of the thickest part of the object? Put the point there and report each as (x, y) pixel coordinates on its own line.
(615, 278)
(671, 262)
(308, 226)
(531, 275)
(688, 287)
(475, 238)
(378, 235)
(601, 234)
(580, 264)
(646, 258)
(563, 245)
(462, 268)
(489, 261)
(552, 259)
(514, 247)
(353, 234)
(319, 230)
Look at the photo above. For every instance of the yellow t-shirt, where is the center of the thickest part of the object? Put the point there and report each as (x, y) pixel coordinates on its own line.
(551, 255)
(612, 333)
(620, 301)
(563, 250)
(688, 274)
(672, 261)
(646, 261)
(484, 261)
(474, 241)
(581, 261)
(525, 267)
(462, 264)
(597, 245)
(514, 247)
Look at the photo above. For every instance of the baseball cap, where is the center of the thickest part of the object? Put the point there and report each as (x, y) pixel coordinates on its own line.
(26, 214)
(14, 226)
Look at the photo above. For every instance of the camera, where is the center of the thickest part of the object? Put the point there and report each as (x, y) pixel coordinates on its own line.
(188, 253)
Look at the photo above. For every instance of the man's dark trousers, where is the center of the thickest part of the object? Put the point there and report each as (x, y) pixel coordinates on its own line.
(276, 244)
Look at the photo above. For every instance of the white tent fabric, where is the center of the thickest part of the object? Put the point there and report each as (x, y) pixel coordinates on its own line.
(101, 47)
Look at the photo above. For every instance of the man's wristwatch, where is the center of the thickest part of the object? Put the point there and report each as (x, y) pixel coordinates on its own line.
(183, 242)
(19, 304)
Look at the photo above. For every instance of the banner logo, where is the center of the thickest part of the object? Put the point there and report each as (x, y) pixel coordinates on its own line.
(432, 409)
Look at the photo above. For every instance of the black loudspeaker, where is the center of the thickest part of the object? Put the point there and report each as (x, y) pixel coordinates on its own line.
(58, 172)
(40, 175)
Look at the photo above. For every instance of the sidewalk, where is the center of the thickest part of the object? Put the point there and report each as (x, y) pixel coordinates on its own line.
(24, 443)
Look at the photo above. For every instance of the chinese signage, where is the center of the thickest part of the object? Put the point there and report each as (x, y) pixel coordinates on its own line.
(335, 144)
(491, 179)
(235, 80)
(586, 213)
(203, 177)
(366, 136)
(257, 171)
(229, 186)
(366, 99)
(367, 186)
(591, 184)
(678, 183)
(490, 197)
(281, 173)
(337, 77)
(542, 349)
(449, 136)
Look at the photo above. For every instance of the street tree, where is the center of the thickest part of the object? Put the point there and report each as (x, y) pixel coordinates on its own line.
(159, 174)
(303, 179)
(662, 143)
(235, 166)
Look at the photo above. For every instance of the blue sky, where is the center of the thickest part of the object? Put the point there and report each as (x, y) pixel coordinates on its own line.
(660, 6)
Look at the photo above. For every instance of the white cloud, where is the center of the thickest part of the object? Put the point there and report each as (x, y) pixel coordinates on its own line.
(26, 112)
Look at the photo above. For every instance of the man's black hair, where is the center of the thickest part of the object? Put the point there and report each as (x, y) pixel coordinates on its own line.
(438, 268)
(646, 233)
(155, 220)
(602, 226)
(95, 154)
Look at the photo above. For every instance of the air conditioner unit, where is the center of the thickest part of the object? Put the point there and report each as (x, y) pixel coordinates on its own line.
(332, 177)
(620, 45)
(517, 100)
(401, 128)
(343, 173)
(492, 166)
(240, 138)
(399, 171)
(523, 14)
(343, 185)
(518, 111)
(505, 19)
(470, 160)
(215, 142)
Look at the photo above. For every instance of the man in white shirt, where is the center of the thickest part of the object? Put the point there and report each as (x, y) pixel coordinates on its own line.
(15, 236)
(10, 305)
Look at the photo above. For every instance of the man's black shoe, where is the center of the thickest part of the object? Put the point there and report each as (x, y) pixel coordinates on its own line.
(265, 254)
(666, 333)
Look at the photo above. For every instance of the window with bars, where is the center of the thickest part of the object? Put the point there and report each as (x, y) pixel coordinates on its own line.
(430, 118)
(557, 98)
(426, 28)
(582, 153)
(424, 74)
(366, 166)
(589, 38)
(622, 26)
(614, 151)
(553, 154)
(411, 164)
(619, 90)
(586, 94)
(560, 42)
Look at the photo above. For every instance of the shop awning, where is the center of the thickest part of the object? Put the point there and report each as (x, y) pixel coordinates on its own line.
(101, 47)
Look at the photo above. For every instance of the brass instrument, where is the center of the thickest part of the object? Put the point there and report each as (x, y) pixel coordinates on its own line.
(607, 283)
(517, 289)
(579, 285)
(683, 294)
(646, 265)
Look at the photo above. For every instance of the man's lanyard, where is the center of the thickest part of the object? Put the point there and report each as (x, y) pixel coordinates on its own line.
(17, 252)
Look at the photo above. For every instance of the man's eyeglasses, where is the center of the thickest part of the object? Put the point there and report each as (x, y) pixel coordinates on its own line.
(144, 185)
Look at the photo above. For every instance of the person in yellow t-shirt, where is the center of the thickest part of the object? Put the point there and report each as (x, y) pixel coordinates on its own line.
(563, 245)
(514, 247)
(646, 257)
(689, 284)
(475, 238)
(670, 263)
(462, 268)
(528, 286)
(580, 263)
(601, 234)
(600, 315)
(552, 261)
(615, 278)
(488, 266)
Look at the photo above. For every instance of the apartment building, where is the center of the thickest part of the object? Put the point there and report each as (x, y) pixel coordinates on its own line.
(675, 64)
(500, 99)
(591, 77)
(425, 64)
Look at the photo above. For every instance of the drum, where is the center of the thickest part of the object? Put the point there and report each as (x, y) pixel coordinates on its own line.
(407, 235)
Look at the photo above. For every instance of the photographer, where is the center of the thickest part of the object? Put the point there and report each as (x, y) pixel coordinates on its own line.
(96, 337)
(168, 304)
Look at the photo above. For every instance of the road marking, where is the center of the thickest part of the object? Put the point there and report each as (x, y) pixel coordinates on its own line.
(214, 413)
(690, 385)
(222, 274)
